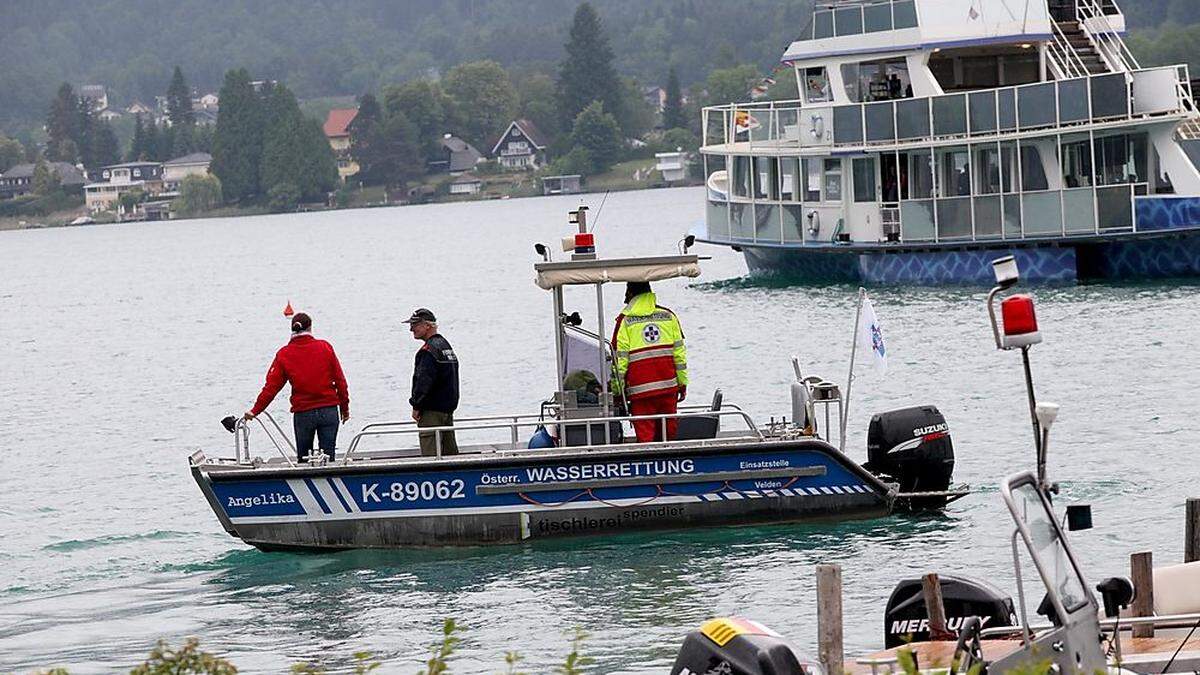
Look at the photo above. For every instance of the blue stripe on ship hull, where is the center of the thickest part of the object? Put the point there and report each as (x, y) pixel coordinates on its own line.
(317, 495)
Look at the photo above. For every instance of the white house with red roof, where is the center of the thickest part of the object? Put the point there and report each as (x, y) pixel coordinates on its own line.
(521, 146)
(337, 130)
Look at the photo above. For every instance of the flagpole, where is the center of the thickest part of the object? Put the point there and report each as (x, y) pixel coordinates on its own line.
(862, 293)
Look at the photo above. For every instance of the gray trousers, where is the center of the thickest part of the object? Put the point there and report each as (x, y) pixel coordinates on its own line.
(433, 418)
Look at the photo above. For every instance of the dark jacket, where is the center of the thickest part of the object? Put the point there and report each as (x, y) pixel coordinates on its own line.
(435, 377)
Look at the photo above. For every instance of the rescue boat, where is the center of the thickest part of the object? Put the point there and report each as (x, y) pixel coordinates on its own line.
(573, 468)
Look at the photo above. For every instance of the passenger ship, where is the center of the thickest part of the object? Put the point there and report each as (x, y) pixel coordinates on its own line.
(933, 135)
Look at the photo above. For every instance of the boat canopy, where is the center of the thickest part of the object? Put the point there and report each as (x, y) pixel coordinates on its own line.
(551, 275)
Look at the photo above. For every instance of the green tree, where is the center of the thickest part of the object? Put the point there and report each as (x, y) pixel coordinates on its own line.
(295, 150)
(179, 101)
(395, 156)
(106, 149)
(484, 93)
(672, 114)
(85, 134)
(283, 198)
(150, 146)
(62, 126)
(731, 85)
(137, 145)
(539, 103)
(426, 106)
(678, 138)
(597, 132)
(588, 74)
(640, 115)
(198, 194)
(46, 180)
(577, 161)
(11, 153)
(238, 140)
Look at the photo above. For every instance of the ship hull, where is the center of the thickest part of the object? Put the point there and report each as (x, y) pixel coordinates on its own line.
(463, 501)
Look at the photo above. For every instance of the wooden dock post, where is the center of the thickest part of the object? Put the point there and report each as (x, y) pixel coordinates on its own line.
(932, 588)
(1191, 545)
(829, 618)
(1141, 572)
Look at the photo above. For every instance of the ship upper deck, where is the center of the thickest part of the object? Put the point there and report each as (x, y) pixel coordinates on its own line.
(843, 27)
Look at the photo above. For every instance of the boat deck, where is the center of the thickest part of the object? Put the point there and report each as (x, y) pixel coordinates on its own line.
(1143, 655)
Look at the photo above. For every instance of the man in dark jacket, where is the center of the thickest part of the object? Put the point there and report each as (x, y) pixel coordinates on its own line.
(435, 384)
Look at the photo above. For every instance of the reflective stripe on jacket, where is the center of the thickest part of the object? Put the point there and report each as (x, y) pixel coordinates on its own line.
(648, 344)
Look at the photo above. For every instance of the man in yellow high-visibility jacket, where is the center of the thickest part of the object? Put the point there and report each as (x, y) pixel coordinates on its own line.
(651, 368)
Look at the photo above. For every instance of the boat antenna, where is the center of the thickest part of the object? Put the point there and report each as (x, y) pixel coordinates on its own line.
(598, 210)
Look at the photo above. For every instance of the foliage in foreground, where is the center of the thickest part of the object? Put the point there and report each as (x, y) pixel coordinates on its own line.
(191, 660)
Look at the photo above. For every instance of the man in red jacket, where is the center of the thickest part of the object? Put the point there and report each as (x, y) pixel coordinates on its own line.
(318, 388)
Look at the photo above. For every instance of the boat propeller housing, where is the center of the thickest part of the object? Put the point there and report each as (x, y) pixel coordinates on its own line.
(912, 447)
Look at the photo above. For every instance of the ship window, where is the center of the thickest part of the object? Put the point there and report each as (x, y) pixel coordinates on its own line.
(1036, 105)
(1022, 68)
(812, 179)
(950, 115)
(1110, 96)
(1033, 174)
(904, 14)
(920, 175)
(864, 179)
(987, 168)
(1121, 159)
(849, 21)
(766, 178)
(983, 112)
(889, 178)
(885, 80)
(954, 172)
(912, 118)
(833, 180)
(877, 17)
(980, 72)
(741, 177)
(1008, 168)
(822, 25)
(1077, 161)
(816, 85)
(789, 188)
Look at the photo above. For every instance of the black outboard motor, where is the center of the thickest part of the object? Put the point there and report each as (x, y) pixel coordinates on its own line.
(911, 447)
(906, 619)
(737, 646)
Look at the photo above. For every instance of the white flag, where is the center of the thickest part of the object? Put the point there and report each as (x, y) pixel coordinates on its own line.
(870, 335)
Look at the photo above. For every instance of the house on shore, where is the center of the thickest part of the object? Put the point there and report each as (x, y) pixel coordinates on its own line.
(118, 179)
(97, 94)
(18, 180)
(466, 184)
(672, 165)
(337, 131)
(175, 170)
(567, 184)
(457, 157)
(521, 146)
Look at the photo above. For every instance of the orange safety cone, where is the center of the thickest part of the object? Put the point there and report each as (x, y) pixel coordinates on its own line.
(288, 311)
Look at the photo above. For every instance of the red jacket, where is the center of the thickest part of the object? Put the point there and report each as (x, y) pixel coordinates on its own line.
(316, 376)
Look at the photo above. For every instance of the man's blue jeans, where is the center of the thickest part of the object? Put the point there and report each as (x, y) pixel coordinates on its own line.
(319, 422)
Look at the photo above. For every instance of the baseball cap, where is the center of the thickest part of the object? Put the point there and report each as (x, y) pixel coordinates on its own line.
(421, 314)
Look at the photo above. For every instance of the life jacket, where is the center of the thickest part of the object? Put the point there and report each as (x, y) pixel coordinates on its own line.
(648, 344)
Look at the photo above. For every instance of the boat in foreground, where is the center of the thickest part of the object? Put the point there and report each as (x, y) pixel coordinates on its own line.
(581, 473)
(932, 136)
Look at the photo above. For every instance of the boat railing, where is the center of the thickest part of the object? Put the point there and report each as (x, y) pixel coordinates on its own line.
(593, 428)
(1108, 98)
(1062, 57)
(1122, 623)
(842, 18)
(1098, 26)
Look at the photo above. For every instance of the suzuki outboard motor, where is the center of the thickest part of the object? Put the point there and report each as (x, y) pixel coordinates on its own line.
(911, 447)
(737, 646)
(906, 619)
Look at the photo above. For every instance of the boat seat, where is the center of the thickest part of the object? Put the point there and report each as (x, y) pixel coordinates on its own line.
(1177, 589)
(698, 427)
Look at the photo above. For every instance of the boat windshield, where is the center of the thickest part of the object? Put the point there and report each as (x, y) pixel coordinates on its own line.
(1047, 546)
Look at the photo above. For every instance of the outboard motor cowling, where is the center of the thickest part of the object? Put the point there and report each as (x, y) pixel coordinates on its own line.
(737, 646)
(907, 620)
(912, 447)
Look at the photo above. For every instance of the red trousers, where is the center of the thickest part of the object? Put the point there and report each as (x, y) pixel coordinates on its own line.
(659, 404)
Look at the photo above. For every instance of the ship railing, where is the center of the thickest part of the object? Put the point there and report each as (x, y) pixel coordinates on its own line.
(1098, 26)
(771, 127)
(596, 431)
(842, 18)
(1062, 57)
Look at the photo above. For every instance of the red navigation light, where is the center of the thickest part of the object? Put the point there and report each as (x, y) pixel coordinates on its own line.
(585, 242)
(288, 311)
(1020, 322)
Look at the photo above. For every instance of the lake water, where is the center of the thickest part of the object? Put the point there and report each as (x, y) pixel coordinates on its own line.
(124, 345)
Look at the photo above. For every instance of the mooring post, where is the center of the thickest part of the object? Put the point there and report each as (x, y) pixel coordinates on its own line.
(1141, 572)
(1191, 545)
(932, 588)
(829, 618)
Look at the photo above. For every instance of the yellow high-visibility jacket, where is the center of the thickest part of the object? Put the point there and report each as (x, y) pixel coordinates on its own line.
(651, 358)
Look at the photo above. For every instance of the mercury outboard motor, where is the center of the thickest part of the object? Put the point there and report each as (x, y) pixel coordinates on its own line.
(907, 620)
(737, 646)
(911, 447)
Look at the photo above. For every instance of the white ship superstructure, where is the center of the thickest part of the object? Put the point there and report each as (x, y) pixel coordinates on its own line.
(931, 133)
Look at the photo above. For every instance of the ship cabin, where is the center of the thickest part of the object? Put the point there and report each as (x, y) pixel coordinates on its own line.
(930, 121)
